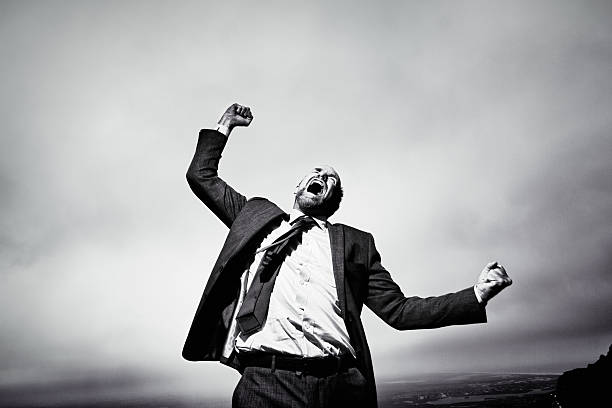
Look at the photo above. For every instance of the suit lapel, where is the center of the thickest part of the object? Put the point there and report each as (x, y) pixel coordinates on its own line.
(336, 239)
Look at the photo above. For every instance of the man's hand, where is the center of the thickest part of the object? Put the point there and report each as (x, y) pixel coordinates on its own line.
(236, 115)
(491, 281)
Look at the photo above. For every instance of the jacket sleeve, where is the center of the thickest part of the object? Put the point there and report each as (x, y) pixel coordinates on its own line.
(386, 300)
(202, 176)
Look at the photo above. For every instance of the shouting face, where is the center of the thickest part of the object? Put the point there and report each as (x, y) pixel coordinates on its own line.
(319, 192)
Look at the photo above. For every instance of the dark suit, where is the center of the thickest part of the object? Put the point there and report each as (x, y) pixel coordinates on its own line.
(360, 277)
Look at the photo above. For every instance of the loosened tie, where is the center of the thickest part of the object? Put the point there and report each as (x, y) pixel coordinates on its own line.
(254, 309)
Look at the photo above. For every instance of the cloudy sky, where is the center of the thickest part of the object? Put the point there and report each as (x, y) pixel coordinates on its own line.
(464, 132)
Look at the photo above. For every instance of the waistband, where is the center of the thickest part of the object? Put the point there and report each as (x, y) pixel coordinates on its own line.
(318, 366)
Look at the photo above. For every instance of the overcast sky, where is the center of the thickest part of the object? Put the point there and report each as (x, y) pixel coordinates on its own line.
(464, 132)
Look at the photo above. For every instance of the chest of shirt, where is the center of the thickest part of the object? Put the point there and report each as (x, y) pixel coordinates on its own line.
(311, 261)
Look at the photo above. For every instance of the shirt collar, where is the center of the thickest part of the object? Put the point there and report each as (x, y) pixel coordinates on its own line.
(295, 213)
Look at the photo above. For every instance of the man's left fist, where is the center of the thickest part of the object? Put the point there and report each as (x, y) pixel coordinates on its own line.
(491, 281)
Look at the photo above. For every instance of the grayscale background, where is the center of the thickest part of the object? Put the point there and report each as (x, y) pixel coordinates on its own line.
(464, 132)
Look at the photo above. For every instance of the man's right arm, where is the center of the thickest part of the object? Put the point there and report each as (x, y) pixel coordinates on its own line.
(202, 175)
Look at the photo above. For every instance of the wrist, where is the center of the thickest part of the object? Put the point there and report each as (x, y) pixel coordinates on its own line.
(225, 130)
(225, 125)
(480, 295)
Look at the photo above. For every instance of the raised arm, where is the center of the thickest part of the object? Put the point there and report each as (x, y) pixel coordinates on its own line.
(202, 175)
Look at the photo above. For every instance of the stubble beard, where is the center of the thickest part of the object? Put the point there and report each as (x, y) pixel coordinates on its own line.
(310, 205)
(313, 205)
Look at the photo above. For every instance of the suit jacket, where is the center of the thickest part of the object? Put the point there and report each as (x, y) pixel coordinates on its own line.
(359, 275)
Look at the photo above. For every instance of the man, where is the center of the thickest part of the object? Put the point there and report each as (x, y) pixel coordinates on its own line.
(283, 301)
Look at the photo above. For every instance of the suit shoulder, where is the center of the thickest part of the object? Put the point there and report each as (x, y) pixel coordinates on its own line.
(259, 202)
(257, 206)
(348, 230)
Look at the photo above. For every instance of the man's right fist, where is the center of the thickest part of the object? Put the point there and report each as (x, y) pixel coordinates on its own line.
(236, 115)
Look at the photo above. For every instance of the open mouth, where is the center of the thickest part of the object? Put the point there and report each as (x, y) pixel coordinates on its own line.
(315, 187)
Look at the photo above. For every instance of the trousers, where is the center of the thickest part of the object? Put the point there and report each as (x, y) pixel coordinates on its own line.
(261, 387)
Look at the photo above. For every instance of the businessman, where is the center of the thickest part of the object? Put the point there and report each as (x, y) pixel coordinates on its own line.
(283, 302)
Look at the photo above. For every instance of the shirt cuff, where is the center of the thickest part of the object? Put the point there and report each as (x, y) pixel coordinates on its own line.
(478, 296)
(223, 129)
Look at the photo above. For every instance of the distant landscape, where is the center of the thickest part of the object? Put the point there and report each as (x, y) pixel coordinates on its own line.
(436, 390)
(470, 390)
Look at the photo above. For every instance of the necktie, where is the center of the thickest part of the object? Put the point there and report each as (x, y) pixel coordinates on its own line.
(254, 309)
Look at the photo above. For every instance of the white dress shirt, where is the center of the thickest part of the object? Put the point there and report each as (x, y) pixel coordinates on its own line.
(304, 314)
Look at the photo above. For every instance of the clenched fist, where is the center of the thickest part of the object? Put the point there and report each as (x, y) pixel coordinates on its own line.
(491, 281)
(236, 115)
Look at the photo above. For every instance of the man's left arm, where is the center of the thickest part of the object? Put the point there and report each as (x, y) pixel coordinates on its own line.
(386, 300)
